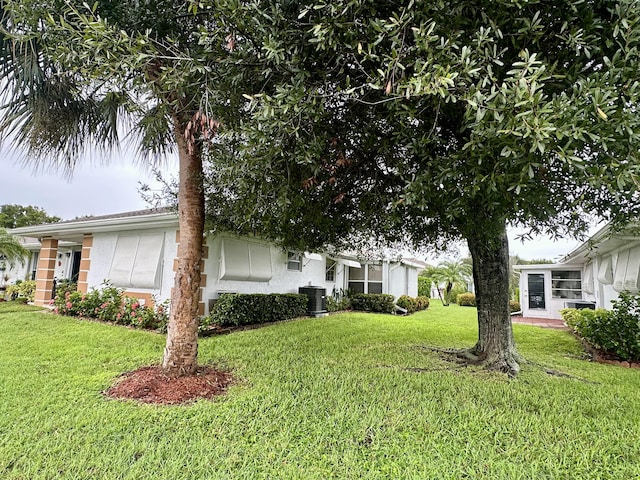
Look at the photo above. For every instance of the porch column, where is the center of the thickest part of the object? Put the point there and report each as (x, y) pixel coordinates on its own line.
(85, 263)
(46, 271)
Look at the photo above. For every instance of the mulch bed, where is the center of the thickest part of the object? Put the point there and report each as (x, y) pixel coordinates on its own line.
(150, 385)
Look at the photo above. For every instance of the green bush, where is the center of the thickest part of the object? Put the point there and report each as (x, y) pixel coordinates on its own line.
(616, 332)
(373, 302)
(424, 287)
(110, 304)
(466, 299)
(514, 306)
(337, 305)
(411, 304)
(455, 291)
(247, 309)
(25, 291)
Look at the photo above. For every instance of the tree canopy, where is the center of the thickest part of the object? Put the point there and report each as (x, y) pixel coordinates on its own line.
(11, 250)
(14, 216)
(433, 121)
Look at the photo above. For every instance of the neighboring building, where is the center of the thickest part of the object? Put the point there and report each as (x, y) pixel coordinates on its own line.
(590, 276)
(138, 251)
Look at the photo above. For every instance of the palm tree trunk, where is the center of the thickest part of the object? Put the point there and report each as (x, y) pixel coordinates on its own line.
(495, 348)
(181, 350)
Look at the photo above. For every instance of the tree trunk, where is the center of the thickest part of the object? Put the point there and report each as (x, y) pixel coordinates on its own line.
(496, 348)
(181, 350)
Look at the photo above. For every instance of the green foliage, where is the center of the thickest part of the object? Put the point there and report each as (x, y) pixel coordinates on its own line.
(110, 304)
(11, 250)
(466, 299)
(24, 290)
(456, 290)
(514, 306)
(338, 304)
(248, 309)
(616, 332)
(373, 302)
(424, 286)
(413, 304)
(15, 216)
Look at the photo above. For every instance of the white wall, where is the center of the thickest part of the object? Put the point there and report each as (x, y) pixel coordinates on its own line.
(104, 245)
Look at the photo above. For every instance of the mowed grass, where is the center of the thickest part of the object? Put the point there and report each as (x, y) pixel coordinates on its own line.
(348, 396)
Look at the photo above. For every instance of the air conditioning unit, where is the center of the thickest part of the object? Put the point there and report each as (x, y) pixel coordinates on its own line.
(581, 305)
(317, 300)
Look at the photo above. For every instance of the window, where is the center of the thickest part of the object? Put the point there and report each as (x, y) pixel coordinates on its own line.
(330, 271)
(294, 261)
(356, 279)
(136, 261)
(566, 284)
(366, 279)
(374, 282)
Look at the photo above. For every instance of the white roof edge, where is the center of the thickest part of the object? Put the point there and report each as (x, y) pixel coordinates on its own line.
(410, 263)
(547, 266)
(152, 220)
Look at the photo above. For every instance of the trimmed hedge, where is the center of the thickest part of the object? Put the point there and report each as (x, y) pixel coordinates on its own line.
(616, 332)
(466, 299)
(373, 302)
(233, 309)
(413, 304)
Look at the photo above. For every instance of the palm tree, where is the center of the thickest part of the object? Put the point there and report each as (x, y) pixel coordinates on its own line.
(71, 82)
(450, 272)
(11, 251)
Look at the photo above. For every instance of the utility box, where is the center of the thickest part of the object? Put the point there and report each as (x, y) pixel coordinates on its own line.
(317, 300)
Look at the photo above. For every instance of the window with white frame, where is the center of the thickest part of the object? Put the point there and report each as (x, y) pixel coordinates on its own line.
(566, 284)
(374, 280)
(330, 271)
(294, 261)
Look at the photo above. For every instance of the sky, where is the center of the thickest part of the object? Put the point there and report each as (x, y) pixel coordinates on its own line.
(96, 189)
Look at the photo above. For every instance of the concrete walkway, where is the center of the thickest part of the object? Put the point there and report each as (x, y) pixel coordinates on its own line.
(540, 322)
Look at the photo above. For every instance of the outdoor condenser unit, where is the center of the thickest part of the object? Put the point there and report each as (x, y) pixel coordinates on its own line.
(317, 300)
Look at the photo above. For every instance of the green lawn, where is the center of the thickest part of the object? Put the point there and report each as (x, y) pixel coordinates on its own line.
(348, 396)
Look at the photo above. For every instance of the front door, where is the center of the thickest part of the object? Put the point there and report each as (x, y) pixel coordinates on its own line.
(536, 290)
(75, 266)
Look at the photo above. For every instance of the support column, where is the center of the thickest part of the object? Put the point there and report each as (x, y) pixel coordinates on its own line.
(46, 271)
(85, 263)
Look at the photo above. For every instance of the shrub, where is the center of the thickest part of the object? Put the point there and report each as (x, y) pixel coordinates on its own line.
(616, 332)
(335, 305)
(411, 304)
(25, 291)
(455, 291)
(111, 305)
(424, 287)
(466, 299)
(248, 309)
(514, 306)
(373, 302)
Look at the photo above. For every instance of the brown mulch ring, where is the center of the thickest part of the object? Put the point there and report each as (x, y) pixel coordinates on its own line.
(150, 385)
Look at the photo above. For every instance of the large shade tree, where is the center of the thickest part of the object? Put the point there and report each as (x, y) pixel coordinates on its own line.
(77, 78)
(14, 216)
(433, 121)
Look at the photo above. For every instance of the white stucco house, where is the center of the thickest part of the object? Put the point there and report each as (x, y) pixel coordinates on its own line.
(138, 252)
(590, 276)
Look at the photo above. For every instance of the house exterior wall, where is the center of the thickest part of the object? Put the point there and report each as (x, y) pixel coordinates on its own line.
(107, 250)
(102, 253)
(283, 280)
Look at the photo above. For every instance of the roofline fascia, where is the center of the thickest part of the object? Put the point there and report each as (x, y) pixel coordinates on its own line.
(154, 220)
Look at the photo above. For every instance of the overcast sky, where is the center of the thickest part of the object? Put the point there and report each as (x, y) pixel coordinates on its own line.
(102, 190)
